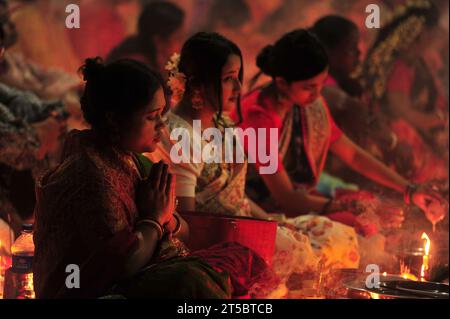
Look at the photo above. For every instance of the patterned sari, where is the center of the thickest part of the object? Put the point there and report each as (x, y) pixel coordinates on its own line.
(306, 135)
(304, 138)
(220, 189)
(217, 187)
(85, 215)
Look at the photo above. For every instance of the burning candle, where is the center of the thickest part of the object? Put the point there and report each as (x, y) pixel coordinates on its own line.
(425, 265)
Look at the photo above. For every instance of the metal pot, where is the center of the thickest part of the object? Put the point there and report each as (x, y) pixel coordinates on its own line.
(398, 289)
(210, 229)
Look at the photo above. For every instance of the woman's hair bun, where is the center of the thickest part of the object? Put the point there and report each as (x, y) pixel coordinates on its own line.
(264, 60)
(92, 68)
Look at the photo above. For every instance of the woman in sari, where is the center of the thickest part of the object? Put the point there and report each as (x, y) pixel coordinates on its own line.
(48, 84)
(292, 103)
(42, 34)
(401, 83)
(412, 158)
(206, 85)
(102, 209)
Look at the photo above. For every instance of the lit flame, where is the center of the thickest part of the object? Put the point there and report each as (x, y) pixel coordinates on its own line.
(425, 266)
(406, 272)
(409, 276)
(374, 295)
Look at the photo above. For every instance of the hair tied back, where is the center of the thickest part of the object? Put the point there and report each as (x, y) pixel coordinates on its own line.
(263, 61)
(92, 69)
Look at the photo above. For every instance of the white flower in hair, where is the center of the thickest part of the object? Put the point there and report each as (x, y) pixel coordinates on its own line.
(177, 80)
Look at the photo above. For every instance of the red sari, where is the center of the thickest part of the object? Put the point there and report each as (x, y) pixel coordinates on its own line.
(85, 215)
(427, 165)
(318, 132)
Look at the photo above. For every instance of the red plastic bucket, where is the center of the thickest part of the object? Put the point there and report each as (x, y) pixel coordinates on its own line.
(207, 229)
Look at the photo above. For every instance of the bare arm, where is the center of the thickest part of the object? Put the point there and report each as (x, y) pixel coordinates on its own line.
(183, 233)
(401, 106)
(292, 201)
(186, 204)
(148, 239)
(257, 211)
(155, 199)
(367, 165)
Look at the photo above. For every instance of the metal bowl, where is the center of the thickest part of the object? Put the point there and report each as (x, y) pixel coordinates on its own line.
(397, 289)
(419, 288)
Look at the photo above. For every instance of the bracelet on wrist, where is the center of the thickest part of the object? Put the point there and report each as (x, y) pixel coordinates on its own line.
(155, 224)
(394, 141)
(178, 227)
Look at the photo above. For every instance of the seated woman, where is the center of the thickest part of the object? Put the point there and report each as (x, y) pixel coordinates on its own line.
(24, 151)
(206, 82)
(101, 210)
(399, 80)
(412, 158)
(206, 59)
(20, 73)
(42, 34)
(160, 34)
(292, 103)
(30, 133)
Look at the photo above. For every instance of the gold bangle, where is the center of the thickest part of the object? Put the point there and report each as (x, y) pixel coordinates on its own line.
(394, 141)
(153, 223)
(178, 227)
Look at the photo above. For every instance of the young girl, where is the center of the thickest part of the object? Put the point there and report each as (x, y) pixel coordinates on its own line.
(292, 103)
